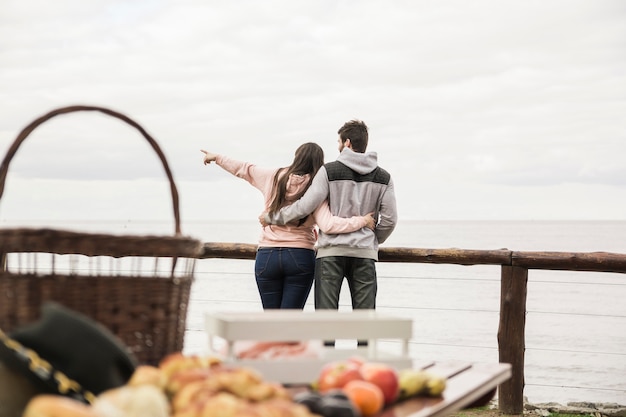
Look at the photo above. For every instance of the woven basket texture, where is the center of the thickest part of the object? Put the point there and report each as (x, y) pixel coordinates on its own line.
(147, 312)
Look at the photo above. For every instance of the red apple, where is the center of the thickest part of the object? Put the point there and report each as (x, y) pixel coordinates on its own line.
(337, 374)
(384, 376)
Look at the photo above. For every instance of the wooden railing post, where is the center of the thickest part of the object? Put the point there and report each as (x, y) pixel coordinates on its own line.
(511, 339)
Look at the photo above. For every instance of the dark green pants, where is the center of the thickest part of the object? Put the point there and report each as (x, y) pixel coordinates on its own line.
(360, 274)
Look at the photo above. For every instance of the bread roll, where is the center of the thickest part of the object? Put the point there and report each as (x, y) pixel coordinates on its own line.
(147, 375)
(135, 401)
(48, 405)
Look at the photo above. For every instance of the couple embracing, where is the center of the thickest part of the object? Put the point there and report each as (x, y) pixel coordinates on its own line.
(321, 222)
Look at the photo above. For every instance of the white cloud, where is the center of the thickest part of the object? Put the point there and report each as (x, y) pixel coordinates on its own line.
(484, 98)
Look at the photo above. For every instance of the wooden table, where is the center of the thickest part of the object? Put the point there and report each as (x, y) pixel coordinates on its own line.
(468, 385)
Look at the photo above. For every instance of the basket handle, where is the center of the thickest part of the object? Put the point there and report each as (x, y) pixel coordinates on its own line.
(4, 168)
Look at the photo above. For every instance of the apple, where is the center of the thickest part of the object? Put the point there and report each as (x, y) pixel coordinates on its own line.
(384, 376)
(337, 374)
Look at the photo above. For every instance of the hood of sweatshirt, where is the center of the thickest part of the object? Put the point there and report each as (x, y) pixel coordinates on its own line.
(295, 184)
(363, 163)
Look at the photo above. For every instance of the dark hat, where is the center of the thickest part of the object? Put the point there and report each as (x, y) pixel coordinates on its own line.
(67, 353)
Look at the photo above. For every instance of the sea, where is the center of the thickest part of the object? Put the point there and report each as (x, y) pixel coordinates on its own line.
(575, 322)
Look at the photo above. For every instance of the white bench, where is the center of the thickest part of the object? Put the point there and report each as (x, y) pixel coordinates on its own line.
(297, 325)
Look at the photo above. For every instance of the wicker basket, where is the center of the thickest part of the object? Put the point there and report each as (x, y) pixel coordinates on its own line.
(142, 303)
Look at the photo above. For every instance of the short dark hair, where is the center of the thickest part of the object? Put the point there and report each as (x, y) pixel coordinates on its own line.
(356, 131)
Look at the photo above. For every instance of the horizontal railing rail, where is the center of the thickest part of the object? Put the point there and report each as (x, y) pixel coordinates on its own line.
(564, 261)
(513, 290)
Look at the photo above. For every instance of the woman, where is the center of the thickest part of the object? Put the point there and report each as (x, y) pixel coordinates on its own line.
(285, 260)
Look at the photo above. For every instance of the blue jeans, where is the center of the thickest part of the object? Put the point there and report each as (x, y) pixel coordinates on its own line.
(284, 276)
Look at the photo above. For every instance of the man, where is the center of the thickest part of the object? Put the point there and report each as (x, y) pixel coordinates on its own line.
(354, 185)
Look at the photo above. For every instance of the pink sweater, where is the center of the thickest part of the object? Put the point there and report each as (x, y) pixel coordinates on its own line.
(291, 236)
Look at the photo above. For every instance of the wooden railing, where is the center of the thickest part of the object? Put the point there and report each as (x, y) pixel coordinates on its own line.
(513, 290)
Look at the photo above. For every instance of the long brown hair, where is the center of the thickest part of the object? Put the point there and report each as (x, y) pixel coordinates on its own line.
(308, 159)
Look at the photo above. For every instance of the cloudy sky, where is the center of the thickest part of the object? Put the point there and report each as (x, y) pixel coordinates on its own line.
(482, 109)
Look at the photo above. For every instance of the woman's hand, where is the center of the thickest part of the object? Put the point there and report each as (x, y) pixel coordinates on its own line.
(208, 156)
(262, 219)
(371, 223)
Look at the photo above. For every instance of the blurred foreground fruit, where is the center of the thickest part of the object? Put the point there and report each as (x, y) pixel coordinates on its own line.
(368, 398)
(383, 376)
(337, 374)
(334, 403)
(414, 382)
(338, 407)
(435, 385)
(311, 399)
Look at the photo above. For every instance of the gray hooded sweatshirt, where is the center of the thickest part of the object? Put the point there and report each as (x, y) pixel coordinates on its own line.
(354, 185)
